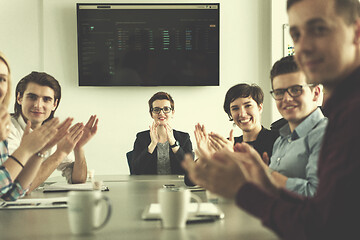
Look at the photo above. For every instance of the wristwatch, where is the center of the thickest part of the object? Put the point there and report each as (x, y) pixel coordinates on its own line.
(175, 144)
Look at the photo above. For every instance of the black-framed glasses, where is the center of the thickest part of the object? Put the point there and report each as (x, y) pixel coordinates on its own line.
(293, 91)
(157, 110)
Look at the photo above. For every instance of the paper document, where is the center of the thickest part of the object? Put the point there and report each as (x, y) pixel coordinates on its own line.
(64, 187)
(25, 203)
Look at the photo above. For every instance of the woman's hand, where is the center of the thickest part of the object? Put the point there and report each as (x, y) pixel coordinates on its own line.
(4, 123)
(153, 133)
(170, 134)
(218, 142)
(204, 147)
(154, 137)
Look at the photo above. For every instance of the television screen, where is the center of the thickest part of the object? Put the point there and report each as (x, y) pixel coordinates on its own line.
(148, 44)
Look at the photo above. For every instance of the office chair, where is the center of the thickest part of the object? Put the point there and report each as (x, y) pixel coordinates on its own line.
(278, 124)
(129, 158)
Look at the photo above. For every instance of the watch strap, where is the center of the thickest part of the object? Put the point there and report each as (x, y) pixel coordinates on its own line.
(175, 144)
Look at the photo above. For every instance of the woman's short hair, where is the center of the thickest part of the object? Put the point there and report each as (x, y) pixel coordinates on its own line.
(7, 95)
(242, 90)
(161, 96)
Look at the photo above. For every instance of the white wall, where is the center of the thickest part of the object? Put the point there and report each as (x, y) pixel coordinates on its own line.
(41, 35)
(278, 19)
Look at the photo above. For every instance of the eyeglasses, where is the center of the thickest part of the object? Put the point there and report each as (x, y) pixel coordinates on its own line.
(157, 110)
(293, 91)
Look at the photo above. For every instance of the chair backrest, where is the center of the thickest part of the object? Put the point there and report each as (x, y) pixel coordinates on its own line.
(129, 158)
(278, 124)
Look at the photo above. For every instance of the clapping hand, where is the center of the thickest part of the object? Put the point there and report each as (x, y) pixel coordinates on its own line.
(4, 123)
(89, 131)
(254, 167)
(169, 134)
(204, 148)
(69, 141)
(219, 174)
(37, 139)
(153, 133)
(218, 142)
(62, 130)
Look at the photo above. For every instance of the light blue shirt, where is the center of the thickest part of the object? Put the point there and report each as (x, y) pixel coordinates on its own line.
(295, 154)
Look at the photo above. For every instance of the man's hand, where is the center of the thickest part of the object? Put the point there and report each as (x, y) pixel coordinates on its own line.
(220, 175)
(37, 139)
(68, 143)
(89, 131)
(253, 167)
(62, 130)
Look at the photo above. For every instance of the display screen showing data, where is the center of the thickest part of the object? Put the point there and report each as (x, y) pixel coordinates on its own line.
(148, 44)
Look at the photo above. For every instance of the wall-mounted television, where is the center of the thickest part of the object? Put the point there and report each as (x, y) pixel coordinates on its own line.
(148, 44)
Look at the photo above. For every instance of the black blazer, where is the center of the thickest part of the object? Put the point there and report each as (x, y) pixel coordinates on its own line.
(143, 162)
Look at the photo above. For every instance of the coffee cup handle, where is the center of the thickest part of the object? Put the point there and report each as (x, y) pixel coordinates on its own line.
(198, 201)
(106, 199)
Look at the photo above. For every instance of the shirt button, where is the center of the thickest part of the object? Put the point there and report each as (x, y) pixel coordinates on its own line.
(289, 140)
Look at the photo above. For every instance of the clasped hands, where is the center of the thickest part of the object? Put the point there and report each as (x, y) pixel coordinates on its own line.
(222, 169)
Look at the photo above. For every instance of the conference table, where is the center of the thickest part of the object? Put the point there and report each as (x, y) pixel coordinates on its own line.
(129, 196)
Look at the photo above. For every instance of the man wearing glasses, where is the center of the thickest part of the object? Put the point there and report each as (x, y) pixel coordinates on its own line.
(293, 164)
(326, 37)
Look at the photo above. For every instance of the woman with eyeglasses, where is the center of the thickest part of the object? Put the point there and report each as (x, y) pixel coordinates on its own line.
(161, 149)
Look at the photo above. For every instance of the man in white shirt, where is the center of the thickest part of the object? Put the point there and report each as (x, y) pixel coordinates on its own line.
(37, 98)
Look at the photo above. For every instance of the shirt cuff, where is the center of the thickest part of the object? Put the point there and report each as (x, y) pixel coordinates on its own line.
(15, 192)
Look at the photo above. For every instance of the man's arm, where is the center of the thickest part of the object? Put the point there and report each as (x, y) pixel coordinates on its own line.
(47, 168)
(79, 173)
(64, 147)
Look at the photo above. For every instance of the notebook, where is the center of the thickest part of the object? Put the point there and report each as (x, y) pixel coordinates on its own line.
(26, 203)
(65, 187)
(208, 212)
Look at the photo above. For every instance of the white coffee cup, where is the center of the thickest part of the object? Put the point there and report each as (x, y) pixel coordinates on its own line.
(84, 211)
(174, 205)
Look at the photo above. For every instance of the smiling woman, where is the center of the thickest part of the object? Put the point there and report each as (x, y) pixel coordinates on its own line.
(244, 104)
(161, 149)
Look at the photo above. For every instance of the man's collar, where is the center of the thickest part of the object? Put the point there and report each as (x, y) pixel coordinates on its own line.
(304, 127)
(21, 121)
